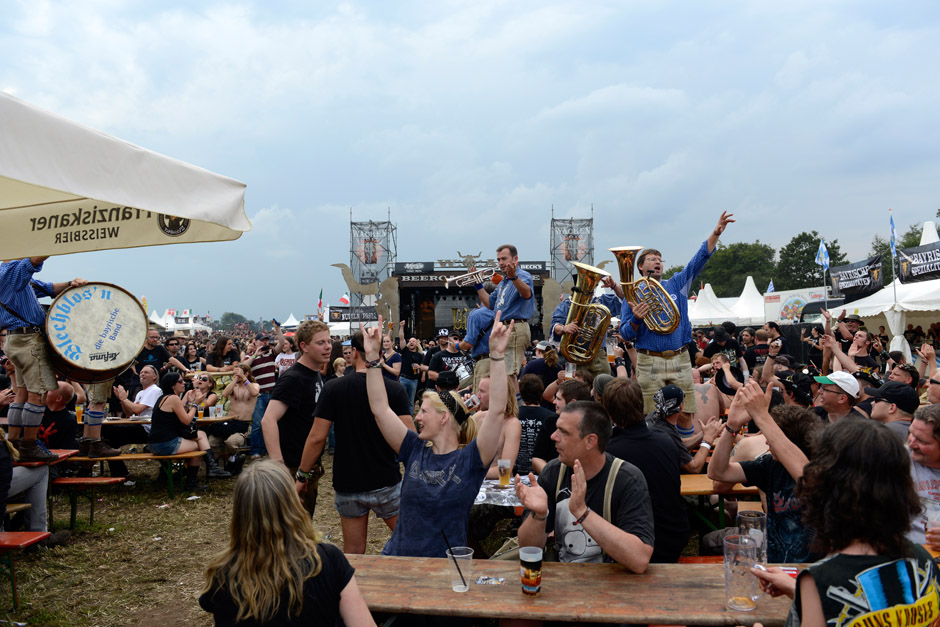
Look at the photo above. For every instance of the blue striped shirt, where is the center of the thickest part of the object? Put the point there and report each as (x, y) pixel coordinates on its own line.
(15, 278)
(506, 298)
(477, 320)
(677, 287)
(560, 315)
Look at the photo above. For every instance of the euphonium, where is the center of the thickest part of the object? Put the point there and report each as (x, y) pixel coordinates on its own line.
(664, 315)
(592, 319)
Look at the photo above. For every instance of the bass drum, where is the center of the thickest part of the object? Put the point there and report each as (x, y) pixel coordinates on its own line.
(95, 332)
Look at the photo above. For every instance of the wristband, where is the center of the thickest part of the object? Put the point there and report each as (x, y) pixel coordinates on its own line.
(303, 476)
(500, 358)
(935, 382)
(706, 446)
(619, 362)
(375, 363)
(730, 430)
(512, 278)
(478, 286)
(583, 516)
(537, 517)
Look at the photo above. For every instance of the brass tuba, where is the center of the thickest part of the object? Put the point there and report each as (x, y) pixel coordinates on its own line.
(592, 319)
(664, 315)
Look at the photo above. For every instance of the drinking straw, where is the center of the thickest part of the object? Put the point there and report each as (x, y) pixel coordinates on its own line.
(451, 551)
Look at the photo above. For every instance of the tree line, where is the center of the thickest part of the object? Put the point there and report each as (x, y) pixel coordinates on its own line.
(792, 267)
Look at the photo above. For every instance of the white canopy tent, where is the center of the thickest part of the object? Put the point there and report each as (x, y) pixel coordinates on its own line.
(67, 188)
(749, 307)
(291, 323)
(917, 304)
(707, 310)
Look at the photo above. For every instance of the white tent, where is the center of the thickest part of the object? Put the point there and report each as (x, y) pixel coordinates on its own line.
(928, 233)
(290, 323)
(66, 188)
(707, 310)
(917, 304)
(749, 307)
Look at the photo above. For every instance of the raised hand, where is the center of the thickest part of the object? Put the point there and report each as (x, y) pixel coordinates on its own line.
(723, 222)
(372, 340)
(499, 336)
(532, 496)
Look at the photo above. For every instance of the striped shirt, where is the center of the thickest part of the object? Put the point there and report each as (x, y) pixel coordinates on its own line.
(262, 369)
(677, 287)
(15, 277)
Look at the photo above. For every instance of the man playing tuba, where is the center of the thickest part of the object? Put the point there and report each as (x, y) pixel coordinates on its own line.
(560, 325)
(662, 359)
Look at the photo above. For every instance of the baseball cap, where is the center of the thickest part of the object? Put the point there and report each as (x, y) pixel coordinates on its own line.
(721, 334)
(259, 336)
(843, 380)
(901, 394)
(448, 380)
(443, 333)
(669, 399)
(541, 345)
(869, 375)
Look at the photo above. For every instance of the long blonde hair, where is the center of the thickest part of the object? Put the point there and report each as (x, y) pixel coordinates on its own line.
(466, 431)
(273, 546)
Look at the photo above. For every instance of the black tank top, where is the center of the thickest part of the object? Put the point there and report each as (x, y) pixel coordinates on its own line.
(165, 425)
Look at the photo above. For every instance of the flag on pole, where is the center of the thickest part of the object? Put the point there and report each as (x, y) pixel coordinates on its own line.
(894, 236)
(344, 298)
(822, 255)
(320, 301)
(770, 286)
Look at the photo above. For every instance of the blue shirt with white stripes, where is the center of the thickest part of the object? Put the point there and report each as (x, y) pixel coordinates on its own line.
(677, 287)
(560, 315)
(21, 294)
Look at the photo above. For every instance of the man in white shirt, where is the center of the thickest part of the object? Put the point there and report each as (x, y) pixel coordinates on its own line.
(143, 403)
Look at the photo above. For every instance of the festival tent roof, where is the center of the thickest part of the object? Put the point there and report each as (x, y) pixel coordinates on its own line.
(749, 307)
(291, 322)
(707, 310)
(898, 305)
(67, 188)
(928, 234)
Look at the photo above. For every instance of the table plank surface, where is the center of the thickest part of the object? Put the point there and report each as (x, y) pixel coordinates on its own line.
(701, 485)
(674, 594)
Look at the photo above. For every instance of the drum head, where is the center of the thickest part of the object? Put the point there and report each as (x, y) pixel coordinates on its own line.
(95, 331)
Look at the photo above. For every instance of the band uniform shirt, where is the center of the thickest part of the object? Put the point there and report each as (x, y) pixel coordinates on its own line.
(507, 299)
(477, 322)
(677, 287)
(560, 315)
(15, 277)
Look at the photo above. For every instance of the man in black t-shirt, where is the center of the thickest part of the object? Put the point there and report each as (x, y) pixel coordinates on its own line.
(724, 343)
(289, 416)
(756, 355)
(449, 358)
(366, 475)
(410, 365)
(155, 354)
(433, 349)
(531, 417)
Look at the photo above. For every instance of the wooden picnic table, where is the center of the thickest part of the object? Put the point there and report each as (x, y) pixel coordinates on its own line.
(702, 487)
(124, 422)
(63, 454)
(674, 594)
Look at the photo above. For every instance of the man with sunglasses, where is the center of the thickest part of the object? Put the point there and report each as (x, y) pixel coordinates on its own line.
(894, 404)
(838, 393)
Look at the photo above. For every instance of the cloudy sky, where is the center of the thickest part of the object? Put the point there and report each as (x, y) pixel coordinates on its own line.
(469, 121)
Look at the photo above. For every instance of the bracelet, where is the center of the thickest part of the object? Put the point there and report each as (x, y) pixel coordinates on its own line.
(512, 278)
(730, 430)
(706, 446)
(619, 362)
(375, 363)
(303, 476)
(536, 516)
(935, 382)
(583, 516)
(500, 358)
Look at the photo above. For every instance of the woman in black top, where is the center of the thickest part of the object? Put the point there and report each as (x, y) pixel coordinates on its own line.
(191, 358)
(170, 430)
(224, 356)
(275, 570)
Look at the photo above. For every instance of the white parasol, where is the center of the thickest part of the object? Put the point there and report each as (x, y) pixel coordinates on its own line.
(66, 188)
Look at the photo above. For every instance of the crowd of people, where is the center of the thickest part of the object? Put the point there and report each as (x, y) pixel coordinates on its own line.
(844, 445)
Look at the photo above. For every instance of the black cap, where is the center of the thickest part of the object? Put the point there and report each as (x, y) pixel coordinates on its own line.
(721, 334)
(901, 394)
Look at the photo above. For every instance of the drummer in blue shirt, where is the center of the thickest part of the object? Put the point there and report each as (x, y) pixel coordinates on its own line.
(662, 358)
(477, 343)
(24, 319)
(514, 297)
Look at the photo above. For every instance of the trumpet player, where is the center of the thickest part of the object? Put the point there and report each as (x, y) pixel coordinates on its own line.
(514, 298)
(663, 359)
(600, 364)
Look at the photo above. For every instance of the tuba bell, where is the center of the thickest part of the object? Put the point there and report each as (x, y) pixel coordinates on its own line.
(664, 315)
(592, 319)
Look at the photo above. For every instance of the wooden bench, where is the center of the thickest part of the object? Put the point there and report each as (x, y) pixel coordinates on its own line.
(166, 462)
(85, 485)
(11, 541)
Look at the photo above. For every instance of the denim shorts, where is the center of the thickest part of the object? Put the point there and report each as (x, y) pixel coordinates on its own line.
(384, 502)
(166, 448)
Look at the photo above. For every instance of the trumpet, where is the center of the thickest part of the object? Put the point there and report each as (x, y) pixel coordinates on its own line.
(470, 278)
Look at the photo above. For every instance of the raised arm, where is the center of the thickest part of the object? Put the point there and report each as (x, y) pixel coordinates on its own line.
(848, 364)
(488, 437)
(389, 424)
(757, 402)
(723, 221)
(721, 468)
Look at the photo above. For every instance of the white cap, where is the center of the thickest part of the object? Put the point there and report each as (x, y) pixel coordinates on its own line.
(845, 381)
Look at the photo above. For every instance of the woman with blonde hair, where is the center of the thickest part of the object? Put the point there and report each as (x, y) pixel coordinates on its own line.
(275, 569)
(441, 479)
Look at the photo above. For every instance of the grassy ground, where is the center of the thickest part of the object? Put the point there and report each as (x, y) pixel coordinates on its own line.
(143, 561)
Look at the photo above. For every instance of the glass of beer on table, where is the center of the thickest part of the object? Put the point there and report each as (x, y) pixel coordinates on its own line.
(505, 467)
(79, 409)
(530, 566)
(200, 411)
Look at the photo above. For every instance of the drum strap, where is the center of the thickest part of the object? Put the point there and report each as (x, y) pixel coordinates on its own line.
(16, 315)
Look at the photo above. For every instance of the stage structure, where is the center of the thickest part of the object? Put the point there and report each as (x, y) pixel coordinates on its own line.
(426, 305)
(571, 240)
(373, 250)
